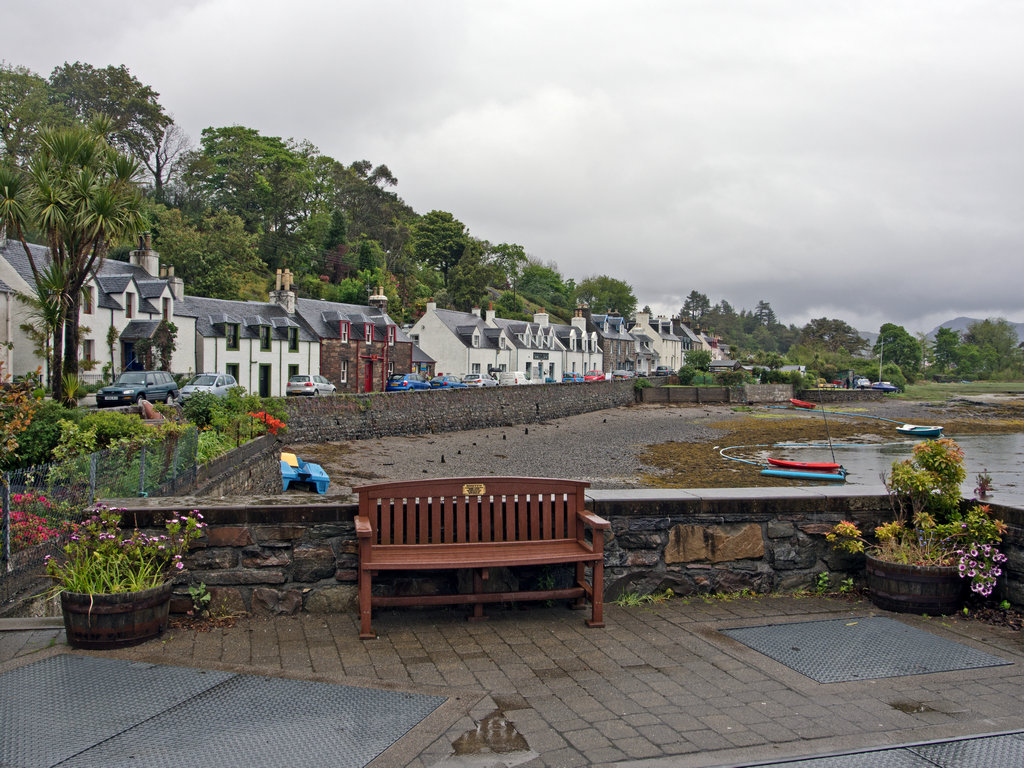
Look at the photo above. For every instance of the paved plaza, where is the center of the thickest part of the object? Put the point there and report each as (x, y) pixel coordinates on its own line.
(662, 685)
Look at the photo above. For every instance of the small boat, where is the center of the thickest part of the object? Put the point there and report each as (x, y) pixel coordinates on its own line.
(806, 466)
(295, 470)
(803, 403)
(796, 474)
(916, 430)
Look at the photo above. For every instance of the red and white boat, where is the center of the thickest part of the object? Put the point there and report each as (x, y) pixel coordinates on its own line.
(807, 466)
(802, 403)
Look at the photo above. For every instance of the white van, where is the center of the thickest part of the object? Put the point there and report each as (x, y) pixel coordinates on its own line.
(506, 378)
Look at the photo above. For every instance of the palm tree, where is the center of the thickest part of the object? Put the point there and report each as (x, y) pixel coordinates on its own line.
(82, 195)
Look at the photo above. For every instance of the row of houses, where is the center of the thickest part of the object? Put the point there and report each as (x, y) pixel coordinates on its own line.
(357, 347)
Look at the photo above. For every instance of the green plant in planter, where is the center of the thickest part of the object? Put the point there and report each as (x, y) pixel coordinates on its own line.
(932, 527)
(102, 558)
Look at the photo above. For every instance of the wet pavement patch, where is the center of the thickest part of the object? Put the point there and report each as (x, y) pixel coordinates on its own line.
(81, 711)
(844, 650)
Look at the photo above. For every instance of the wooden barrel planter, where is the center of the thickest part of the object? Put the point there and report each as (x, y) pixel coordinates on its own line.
(114, 621)
(923, 589)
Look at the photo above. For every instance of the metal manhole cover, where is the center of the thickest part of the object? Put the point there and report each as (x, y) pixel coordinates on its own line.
(842, 650)
(82, 711)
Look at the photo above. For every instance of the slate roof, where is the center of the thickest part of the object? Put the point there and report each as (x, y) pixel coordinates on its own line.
(211, 315)
(323, 318)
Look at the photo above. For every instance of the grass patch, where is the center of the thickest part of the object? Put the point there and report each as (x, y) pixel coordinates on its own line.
(934, 392)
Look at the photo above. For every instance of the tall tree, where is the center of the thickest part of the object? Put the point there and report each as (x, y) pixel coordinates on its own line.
(25, 106)
(945, 348)
(765, 314)
(896, 345)
(695, 307)
(471, 277)
(82, 194)
(607, 294)
(439, 240)
(138, 122)
(511, 259)
(996, 340)
(832, 336)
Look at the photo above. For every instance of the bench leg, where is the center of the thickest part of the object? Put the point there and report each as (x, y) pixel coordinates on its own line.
(478, 587)
(365, 609)
(581, 580)
(597, 614)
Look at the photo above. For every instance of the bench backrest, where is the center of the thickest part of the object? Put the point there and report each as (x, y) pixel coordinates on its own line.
(472, 510)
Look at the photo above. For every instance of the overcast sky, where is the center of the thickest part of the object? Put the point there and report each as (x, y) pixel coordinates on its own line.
(858, 160)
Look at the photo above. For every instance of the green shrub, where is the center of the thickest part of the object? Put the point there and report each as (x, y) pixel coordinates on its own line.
(641, 383)
(202, 408)
(36, 444)
(112, 426)
(687, 374)
(211, 445)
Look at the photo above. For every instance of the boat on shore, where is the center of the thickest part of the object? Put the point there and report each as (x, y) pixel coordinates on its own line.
(917, 430)
(806, 466)
(803, 404)
(796, 474)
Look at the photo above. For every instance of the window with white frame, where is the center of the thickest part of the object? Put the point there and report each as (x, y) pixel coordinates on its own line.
(343, 375)
(392, 335)
(129, 305)
(391, 368)
(344, 332)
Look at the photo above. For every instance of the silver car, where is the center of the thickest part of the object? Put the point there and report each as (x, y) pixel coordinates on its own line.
(479, 380)
(215, 383)
(305, 384)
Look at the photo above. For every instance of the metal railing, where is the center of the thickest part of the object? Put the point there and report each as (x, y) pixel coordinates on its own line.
(40, 502)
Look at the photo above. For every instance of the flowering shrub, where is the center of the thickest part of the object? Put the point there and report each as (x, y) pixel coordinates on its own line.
(101, 558)
(28, 529)
(273, 424)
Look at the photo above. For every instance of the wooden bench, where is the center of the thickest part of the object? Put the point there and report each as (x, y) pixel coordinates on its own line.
(478, 523)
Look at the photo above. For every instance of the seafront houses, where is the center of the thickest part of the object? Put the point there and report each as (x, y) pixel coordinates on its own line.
(656, 344)
(260, 343)
(618, 348)
(465, 342)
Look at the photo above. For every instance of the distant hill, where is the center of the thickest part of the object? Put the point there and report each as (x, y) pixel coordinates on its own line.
(959, 324)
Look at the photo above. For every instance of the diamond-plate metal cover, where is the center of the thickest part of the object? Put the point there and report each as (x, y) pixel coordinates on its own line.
(842, 650)
(83, 712)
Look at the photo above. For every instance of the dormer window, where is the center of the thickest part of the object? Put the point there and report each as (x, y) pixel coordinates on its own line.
(368, 332)
(87, 300)
(392, 334)
(476, 339)
(264, 337)
(344, 331)
(129, 305)
(231, 335)
(293, 339)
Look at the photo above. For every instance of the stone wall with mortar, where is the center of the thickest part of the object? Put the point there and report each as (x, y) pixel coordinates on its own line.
(352, 417)
(748, 393)
(288, 558)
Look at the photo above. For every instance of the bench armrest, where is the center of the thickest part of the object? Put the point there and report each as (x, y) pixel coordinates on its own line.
(363, 529)
(599, 523)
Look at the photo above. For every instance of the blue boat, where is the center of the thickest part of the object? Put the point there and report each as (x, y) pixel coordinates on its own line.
(916, 430)
(295, 470)
(838, 476)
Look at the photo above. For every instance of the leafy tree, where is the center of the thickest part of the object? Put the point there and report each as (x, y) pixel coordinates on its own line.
(470, 278)
(25, 106)
(607, 294)
(81, 194)
(996, 340)
(439, 240)
(945, 348)
(544, 285)
(138, 122)
(511, 259)
(765, 314)
(897, 346)
(166, 158)
(695, 307)
(212, 256)
(698, 359)
(832, 336)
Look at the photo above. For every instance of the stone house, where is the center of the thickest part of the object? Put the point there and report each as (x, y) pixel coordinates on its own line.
(618, 347)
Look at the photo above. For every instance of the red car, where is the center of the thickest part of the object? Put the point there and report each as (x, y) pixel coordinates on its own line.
(593, 376)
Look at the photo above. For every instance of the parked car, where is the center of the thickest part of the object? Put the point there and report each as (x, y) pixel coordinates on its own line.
(510, 378)
(406, 382)
(622, 374)
(132, 386)
(593, 376)
(861, 383)
(663, 370)
(215, 383)
(885, 386)
(572, 377)
(306, 384)
(447, 381)
(479, 380)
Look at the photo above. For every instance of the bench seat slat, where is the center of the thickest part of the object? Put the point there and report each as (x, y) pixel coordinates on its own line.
(492, 554)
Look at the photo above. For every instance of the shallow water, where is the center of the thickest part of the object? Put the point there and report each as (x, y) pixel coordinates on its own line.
(1001, 455)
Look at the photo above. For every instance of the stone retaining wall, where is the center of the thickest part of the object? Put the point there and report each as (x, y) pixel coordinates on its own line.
(353, 417)
(287, 558)
(748, 393)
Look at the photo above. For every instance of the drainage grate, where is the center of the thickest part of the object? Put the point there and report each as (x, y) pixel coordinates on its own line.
(843, 650)
(89, 712)
(999, 750)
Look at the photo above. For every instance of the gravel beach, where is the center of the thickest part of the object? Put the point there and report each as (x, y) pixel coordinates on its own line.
(631, 446)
